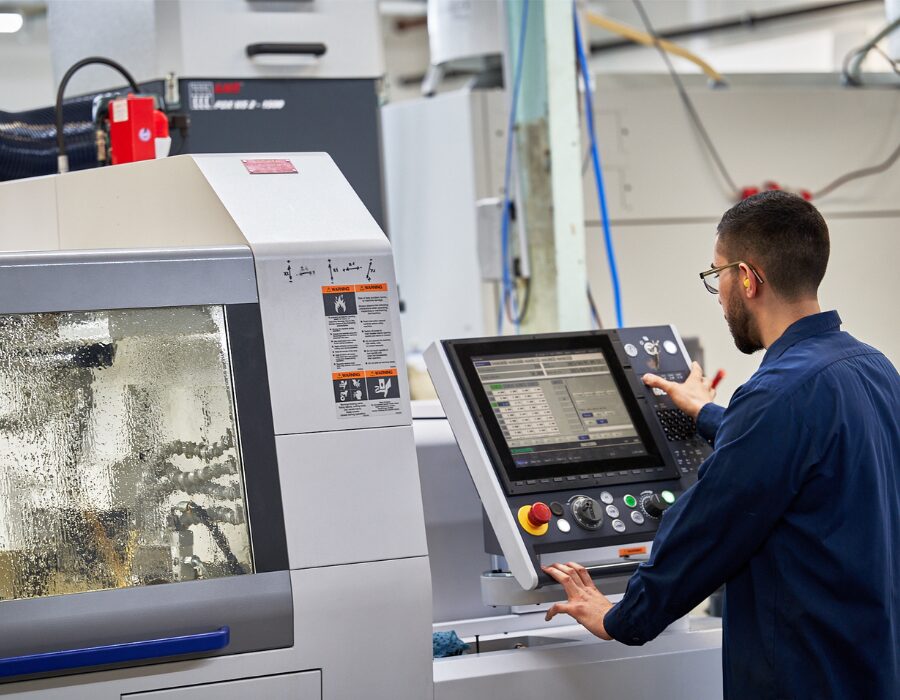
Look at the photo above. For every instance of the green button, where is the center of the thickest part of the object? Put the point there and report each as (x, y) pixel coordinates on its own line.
(496, 387)
(668, 497)
(630, 501)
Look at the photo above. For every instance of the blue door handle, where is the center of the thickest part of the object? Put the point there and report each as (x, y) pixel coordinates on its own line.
(114, 653)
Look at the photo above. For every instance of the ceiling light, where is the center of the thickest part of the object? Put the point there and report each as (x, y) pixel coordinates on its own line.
(10, 22)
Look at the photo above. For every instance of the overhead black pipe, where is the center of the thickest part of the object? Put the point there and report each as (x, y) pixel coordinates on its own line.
(748, 20)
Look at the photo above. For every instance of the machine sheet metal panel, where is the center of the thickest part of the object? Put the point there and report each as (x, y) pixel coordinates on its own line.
(360, 496)
(86, 280)
(289, 686)
(328, 294)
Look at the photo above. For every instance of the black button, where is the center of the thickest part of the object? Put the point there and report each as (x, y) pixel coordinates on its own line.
(557, 509)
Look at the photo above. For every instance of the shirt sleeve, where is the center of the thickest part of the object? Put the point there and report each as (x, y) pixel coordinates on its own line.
(763, 452)
(708, 421)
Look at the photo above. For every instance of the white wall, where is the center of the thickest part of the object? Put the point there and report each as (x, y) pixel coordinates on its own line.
(26, 75)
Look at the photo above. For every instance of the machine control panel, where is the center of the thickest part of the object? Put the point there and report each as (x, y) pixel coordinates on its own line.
(567, 447)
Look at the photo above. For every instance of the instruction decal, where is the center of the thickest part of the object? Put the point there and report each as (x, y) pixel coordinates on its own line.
(363, 354)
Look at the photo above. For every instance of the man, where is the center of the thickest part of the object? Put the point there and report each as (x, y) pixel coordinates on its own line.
(797, 509)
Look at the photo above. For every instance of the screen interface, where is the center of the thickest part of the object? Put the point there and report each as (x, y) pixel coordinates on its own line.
(558, 407)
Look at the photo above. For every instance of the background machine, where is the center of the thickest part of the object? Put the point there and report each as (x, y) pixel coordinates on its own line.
(202, 415)
(572, 457)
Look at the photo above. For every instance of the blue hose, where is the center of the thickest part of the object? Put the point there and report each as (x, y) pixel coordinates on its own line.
(508, 292)
(598, 174)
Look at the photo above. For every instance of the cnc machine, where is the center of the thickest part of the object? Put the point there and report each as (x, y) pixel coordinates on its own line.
(203, 414)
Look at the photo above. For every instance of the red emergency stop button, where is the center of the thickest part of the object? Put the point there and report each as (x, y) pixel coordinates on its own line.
(539, 514)
(535, 519)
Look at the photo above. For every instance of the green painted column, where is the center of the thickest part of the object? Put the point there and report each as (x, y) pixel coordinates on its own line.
(548, 165)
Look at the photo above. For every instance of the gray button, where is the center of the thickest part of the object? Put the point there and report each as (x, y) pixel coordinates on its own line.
(612, 511)
(606, 497)
(630, 350)
(618, 526)
(670, 347)
(637, 516)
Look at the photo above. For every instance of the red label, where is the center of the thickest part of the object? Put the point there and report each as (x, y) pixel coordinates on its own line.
(231, 88)
(269, 166)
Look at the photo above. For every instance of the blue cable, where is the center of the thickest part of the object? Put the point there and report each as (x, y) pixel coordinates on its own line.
(598, 175)
(510, 133)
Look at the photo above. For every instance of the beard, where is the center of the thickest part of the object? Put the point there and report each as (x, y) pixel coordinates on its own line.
(742, 325)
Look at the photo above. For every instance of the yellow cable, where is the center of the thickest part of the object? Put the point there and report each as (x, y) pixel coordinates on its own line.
(639, 37)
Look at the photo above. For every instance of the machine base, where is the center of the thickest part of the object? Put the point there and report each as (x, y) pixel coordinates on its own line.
(566, 661)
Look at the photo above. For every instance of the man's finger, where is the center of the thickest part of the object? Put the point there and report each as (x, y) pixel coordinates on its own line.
(573, 580)
(696, 370)
(657, 382)
(564, 578)
(582, 574)
(556, 609)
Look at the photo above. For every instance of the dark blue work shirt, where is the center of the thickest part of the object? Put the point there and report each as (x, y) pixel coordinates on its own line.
(797, 510)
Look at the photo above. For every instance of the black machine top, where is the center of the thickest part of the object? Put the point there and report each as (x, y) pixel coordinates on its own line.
(558, 405)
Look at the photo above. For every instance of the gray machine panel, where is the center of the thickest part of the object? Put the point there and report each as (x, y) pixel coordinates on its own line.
(621, 494)
(122, 279)
(257, 608)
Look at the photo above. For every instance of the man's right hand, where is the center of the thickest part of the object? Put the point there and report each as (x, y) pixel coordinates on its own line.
(690, 396)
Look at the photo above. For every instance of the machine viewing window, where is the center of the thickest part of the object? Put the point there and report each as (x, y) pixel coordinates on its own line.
(554, 406)
(119, 462)
(558, 407)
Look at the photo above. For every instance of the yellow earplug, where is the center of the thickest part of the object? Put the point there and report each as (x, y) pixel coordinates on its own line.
(747, 283)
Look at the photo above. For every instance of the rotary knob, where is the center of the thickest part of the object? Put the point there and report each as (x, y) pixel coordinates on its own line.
(587, 512)
(654, 505)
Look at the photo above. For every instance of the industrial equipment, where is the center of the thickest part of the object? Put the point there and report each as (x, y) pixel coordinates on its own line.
(663, 196)
(571, 457)
(202, 416)
(233, 77)
(567, 447)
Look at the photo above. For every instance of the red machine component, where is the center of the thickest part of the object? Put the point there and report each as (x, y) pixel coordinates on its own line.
(539, 514)
(769, 185)
(134, 126)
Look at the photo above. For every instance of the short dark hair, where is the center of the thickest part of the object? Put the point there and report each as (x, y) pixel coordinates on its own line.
(782, 233)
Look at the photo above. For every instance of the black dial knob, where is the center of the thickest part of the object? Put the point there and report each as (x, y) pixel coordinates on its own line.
(654, 505)
(587, 512)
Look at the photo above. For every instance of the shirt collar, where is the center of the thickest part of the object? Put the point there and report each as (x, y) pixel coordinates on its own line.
(802, 329)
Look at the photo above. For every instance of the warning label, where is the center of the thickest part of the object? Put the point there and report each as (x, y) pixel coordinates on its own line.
(361, 343)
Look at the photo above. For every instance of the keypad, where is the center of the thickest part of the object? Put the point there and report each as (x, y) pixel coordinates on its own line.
(676, 423)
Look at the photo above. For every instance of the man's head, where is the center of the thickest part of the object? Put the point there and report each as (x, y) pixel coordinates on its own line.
(783, 239)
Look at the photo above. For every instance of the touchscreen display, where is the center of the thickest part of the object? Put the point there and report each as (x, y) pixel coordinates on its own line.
(558, 407)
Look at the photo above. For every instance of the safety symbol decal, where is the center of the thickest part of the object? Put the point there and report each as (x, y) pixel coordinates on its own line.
(361, 342)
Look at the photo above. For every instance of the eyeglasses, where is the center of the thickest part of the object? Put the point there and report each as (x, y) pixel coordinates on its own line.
(711, 277)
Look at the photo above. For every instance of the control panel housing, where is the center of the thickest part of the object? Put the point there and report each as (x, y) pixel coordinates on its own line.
(567, 447)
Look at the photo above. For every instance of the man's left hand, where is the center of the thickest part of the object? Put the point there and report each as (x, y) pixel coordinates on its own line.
(585, 603)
